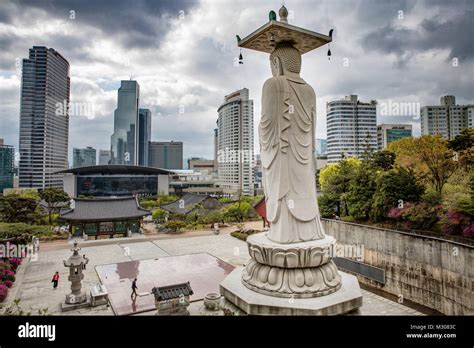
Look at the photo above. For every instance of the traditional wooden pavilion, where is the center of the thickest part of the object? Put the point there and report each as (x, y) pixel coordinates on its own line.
(106, 216)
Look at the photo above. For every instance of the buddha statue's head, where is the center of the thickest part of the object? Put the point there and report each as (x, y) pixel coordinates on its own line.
(285, 60)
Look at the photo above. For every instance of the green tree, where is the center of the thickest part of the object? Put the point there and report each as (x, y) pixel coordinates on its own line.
(20, 207)
(361, 190)
(335, 181)
(159, 214)
(394, 188)
(428, 156)
(463, 145)
(383, 159)
(237, 211)
(53, 197)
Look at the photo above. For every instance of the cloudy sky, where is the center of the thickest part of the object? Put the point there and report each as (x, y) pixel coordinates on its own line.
(182, 54)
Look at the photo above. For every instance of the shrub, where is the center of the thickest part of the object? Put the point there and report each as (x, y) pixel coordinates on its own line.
(421, 216)
(8, 283)
(455, 222)
(468, 231)
(239, 235)
(9, 277)
(175, 225)
(15, 262)
(3, 292)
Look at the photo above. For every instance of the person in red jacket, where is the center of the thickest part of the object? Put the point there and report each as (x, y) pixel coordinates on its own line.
(55, 280)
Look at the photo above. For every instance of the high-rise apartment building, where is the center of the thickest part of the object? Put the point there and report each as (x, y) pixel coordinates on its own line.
(144, 135)
(44, 118)
(216, 147)
(351, 128)
(165, 155)
(470, 117)
(235, 145)
(386, 133)
(84, 157)
(446, 119)
(7, 157)
(124, 149)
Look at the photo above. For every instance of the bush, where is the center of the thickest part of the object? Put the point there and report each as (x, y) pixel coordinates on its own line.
(175, 225)
(239, 235)
(10, 230)
(421, 216)
(9, 277)
(3, 292)
(4, 265)
(456, 223)
(14, 262)
(159, 215)
(8, 283)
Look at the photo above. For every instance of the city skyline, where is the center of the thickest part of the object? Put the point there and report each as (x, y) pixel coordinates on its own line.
(184, 72)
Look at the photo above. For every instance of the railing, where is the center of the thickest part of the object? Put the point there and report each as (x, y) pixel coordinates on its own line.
(469, 242)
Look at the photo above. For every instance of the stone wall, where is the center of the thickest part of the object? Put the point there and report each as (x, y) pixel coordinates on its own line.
(426, 270)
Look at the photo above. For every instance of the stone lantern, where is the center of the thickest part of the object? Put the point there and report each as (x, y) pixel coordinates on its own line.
(76, 265)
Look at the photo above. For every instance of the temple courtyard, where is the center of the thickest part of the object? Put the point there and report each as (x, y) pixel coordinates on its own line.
(206, 260)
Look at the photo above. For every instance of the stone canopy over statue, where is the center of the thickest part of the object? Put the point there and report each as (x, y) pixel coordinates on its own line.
(294, 258)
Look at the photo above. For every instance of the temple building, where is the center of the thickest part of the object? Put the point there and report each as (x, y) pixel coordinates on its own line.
(96, 217)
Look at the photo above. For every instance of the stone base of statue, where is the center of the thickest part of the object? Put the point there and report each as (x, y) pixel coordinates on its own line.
(73, 302)
(347, 299)
(291, 279)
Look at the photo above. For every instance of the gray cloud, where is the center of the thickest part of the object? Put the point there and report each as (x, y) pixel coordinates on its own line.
(144, 22)
(191, 62)
(438, 32)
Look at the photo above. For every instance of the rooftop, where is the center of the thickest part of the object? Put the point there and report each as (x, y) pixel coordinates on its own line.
(116, 169)
(169, 292)
(104, 209)
(185, 204)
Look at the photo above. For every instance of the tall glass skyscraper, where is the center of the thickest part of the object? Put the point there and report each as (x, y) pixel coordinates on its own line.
(144, 135)
(124, 139)
(84, 157)
(165, 154)
(6, 166)
(44, 118)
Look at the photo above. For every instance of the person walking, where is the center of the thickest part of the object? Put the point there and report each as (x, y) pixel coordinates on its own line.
(134, 288)
(55, 280)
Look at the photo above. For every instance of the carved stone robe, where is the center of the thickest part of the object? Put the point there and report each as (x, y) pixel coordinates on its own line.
(286, 133)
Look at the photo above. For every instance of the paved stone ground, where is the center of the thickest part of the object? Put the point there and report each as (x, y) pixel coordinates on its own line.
(35, 290)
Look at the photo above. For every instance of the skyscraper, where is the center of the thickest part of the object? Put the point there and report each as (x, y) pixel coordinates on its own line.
(165, 155)
(44, 118)
(351, 128)
(235, 143)
(216, 145)
(124, 149)
(84, 157)
(144, 135)
(7, 157)
(447, 119)
(321, 147)
(104, 157)
(386, 133)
